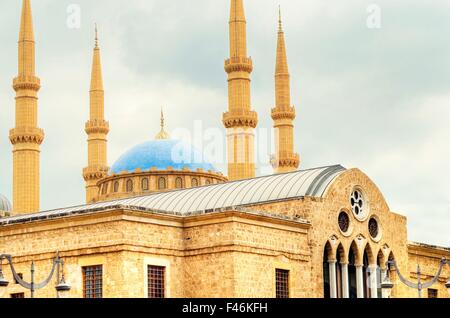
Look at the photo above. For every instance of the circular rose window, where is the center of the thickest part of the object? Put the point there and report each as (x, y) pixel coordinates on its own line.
(358, 204)
(344, 222)
(373, 228)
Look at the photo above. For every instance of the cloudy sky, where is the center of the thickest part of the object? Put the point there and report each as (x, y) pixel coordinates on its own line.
(373, 98)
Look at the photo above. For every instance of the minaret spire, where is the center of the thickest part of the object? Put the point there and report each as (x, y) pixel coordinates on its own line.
(96, 36)
(280, 22)
(285, 160)
(26, 137)
(97, 129)
(240, 120)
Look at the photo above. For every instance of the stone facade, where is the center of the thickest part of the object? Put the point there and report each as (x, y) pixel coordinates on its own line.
(232, 253)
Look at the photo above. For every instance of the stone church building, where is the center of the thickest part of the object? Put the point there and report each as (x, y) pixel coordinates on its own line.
(154, 227)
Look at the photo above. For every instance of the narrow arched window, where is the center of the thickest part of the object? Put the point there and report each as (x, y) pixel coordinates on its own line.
(105, 188)
(194, 182)
(162, 184)
(144, 184)
(129, 185)
(178, 183)
(116, 186)
(208, 182)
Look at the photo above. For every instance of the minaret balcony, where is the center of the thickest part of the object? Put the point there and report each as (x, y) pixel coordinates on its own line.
(240, 119)
(26, 135)
(285, 159)
(239, 64)
(97, 126)
(280, 114)
(95, 172)
(26, 82)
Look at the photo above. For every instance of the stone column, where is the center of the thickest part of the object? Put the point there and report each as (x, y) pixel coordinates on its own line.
(373, 280)
(345, 287)
(383, 276)
(333, 288)
(359, 281)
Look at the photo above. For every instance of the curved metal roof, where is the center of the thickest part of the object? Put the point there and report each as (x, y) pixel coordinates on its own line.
(313, 182)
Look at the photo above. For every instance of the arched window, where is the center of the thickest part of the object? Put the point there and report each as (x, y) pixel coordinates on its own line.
(162, 184)
(208, 182)
(116, 186)
(326, 271)
(178, 183)
(105, 188)
(144, 184)
(129, 185)
(194, 182)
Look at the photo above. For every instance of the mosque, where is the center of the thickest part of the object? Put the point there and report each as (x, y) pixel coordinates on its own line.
(155, 227)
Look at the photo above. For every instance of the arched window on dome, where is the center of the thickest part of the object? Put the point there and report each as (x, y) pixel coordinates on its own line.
(116, 187)
(194, 182)
(178, 183)
(144, 184)
(162, 184)
(129, 185)
(105, 188)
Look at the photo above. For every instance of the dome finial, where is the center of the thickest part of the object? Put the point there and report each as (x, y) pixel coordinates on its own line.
(162, 134)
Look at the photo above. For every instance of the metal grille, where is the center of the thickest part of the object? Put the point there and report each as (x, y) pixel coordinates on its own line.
(156, 281)
(282, 283)
(18, 295)
(344, 222)
(92, 281)
(432, 293)
(373, 228)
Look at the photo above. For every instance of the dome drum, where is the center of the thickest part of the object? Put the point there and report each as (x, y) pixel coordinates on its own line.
(140, 182)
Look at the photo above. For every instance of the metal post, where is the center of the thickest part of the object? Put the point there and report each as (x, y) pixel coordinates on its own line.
(57, 274)
(419, 284)
(32, 279)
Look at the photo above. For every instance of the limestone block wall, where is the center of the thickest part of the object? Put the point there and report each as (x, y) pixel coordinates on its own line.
(216, 255)
(323, 214)
(427, 257)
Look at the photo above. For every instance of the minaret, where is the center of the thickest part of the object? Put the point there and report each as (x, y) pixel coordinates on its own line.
(26, 137)
(240, 121)
(97, 129)
(285, 160)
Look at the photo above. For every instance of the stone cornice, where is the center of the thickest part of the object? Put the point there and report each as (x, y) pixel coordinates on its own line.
(156, 218)
(155, 172)
(419, 249)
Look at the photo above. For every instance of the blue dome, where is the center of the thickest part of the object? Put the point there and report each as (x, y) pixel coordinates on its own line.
(162, 154)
